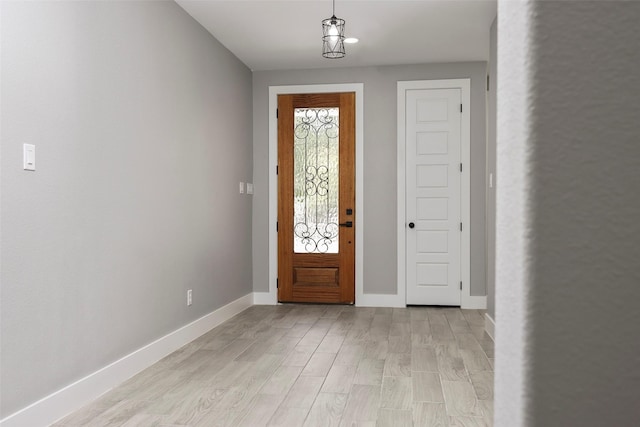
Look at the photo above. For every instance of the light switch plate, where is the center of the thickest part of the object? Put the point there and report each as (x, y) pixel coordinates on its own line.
(249, 188)
(29, 157)
(241, 187)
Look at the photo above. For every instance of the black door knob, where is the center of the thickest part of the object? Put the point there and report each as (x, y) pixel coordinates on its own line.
(411, 225)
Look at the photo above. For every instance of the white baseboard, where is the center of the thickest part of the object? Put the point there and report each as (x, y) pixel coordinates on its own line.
(474, 303)
(489, 326)
(380, 300)
(264, 298)
(70, 398)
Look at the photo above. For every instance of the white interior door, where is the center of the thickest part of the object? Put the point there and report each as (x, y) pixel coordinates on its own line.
(433, 196)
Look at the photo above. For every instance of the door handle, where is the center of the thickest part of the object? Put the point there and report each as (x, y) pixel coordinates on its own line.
(411, 225)
(347, 224)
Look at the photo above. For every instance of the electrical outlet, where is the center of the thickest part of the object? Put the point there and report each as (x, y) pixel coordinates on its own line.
(189, 297)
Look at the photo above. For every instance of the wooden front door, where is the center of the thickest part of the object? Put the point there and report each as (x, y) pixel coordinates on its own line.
(316, 198)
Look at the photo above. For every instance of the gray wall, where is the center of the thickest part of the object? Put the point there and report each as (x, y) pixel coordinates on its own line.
(568, 270)
(380, 172)
(141, 122)
(491, 168)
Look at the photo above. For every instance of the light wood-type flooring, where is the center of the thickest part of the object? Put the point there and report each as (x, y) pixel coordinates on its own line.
(315, 365)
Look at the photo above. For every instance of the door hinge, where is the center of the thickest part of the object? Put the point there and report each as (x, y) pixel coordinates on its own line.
(460, 285)
(276, 226)
(487, 82)
(460, 226)
(460, 167)
(276, 113)
(278, 284)
(277, 169)
(461, 108)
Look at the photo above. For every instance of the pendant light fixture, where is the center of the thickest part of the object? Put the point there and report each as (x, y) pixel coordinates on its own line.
(333, 36)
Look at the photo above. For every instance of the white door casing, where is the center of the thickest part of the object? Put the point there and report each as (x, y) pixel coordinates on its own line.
(270, 297)
(425, 204)
(433, 196)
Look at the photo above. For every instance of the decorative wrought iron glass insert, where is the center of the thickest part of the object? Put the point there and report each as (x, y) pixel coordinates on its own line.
(315, 180)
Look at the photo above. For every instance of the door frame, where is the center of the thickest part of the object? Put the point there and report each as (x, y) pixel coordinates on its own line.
(271, 298)
(467, 301)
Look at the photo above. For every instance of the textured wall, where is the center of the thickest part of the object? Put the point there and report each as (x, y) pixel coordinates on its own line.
(380, 172)
(568, 347)
(141, 122)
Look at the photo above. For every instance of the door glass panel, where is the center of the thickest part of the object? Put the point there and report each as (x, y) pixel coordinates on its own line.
(315, 180)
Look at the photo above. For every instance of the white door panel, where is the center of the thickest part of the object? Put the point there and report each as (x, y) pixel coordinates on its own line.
(433, 192)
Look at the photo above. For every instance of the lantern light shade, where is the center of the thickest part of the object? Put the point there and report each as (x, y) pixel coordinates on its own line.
(333, 38)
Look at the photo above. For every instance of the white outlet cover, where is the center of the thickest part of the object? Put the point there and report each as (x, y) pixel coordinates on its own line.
(29, 157)
(241, 187)
(249, 188)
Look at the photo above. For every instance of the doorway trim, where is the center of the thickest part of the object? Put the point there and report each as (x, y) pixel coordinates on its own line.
(271, 297)
(467, 301)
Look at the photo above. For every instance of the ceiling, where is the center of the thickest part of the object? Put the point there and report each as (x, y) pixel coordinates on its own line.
(286, 34)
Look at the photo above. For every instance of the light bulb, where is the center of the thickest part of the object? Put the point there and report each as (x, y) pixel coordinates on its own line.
(333, 33)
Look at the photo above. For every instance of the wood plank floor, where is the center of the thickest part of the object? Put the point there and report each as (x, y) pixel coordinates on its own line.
(315, 365)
